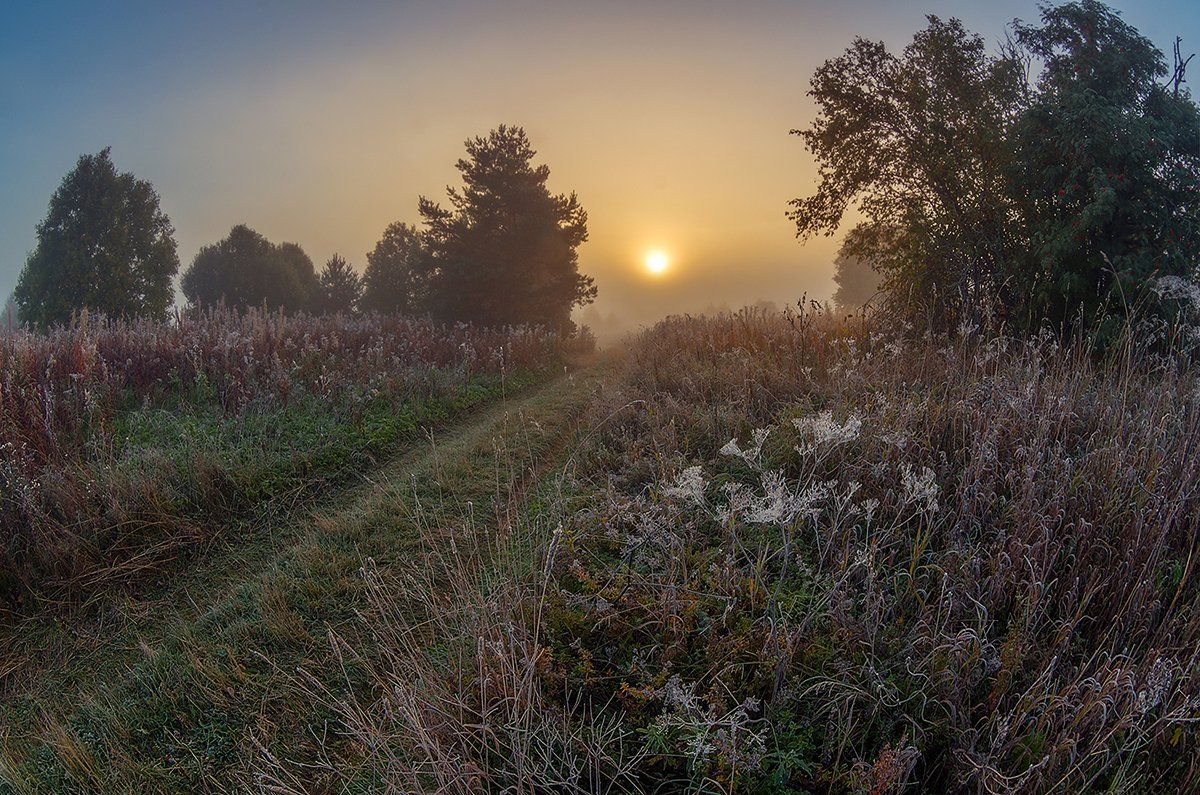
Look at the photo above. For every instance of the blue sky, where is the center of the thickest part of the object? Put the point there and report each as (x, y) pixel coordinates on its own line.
(321, 122)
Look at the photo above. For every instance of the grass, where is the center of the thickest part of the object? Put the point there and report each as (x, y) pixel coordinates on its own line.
(792, 555)
(207, 682)
(122, 443)
(770, 553)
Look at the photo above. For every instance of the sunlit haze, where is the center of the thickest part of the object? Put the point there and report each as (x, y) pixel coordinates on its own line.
(657, 262)
(321, 123)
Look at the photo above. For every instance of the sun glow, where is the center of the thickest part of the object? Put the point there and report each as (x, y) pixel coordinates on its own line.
(657, 262)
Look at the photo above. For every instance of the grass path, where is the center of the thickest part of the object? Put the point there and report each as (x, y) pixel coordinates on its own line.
(171, 694)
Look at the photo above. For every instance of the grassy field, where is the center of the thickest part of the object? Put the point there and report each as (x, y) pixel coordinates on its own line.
(749, 553)
(199, 672)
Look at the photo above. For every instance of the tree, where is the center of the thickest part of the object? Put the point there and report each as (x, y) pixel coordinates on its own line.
(105, 245)
(1107, 173)
(398, 270)
(858, 282)
(304, 283)
(8, 318)
(1048, 199)
(247, 270)
(341, 288)
(918, 143)
(506, 251)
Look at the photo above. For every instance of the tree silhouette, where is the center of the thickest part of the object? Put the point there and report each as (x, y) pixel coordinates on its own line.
(505, 253)
(341, 288)
(398, 271)
(918, 141)
(245, 269)
(1046, 201)
(105, 245)
(8, 319)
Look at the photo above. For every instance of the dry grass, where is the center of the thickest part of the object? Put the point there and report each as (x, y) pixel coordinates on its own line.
(964, 565)
(122, 443)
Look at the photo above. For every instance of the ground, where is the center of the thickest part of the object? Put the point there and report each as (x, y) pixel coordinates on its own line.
(197, 669)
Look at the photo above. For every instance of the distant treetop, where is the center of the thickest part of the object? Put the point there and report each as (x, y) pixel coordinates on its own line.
(247, 270)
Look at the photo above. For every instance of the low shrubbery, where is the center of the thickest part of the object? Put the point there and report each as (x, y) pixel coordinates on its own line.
(798, 556)
(121, 442)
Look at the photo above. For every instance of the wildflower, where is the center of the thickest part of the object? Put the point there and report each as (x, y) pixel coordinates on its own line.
(823, 431)
(1177, 288)
(752, 454)
(1158, 683)
(689, 485)
(780, 505)
(920, 488)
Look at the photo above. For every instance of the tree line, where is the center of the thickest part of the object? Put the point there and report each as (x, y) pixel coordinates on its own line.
(503, 253)
(1049, 184)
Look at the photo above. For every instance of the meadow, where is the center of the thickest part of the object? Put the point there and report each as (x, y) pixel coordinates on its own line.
(792, 554)
(753, 552)
(124, 444)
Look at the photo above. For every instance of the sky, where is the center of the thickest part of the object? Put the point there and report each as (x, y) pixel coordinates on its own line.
(320, 123)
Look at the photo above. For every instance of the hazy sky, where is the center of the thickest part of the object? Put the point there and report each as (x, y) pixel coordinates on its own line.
(322, 122)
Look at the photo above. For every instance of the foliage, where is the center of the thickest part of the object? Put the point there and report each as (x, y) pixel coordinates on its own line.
(988, 193)
(505, 253)
(1107, 171)
(917, 141)
(104, 246)
(245, 270)
(793, 554)
(892, 549)
(397, 272)
(8, 318)
(341, 288)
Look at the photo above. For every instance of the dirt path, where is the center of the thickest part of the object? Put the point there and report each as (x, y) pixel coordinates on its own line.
(165, 695)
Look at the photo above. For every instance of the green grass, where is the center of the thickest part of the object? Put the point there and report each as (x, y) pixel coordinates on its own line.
(174, 692)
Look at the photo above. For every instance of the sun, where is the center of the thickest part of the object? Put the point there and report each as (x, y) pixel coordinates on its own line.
(657, 262)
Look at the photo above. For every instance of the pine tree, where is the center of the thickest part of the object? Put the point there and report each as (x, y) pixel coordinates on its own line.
(341, 288)
(505, 253)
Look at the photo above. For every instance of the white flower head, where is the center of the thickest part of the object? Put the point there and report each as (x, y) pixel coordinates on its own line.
(689, 485)
(822, 430)
(920, 488)
(752, 454)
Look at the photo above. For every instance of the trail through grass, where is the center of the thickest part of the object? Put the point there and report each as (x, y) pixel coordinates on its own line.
(177, 692)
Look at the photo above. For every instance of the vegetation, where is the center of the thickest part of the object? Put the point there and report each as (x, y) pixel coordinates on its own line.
(506, 253)
(858, 283)
(396, 271)
(437, 546)
(1057, 204)
(247, 271)
(341, 288)
(792, 554)
(104, 246)
(121, 443)
(198, 672)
